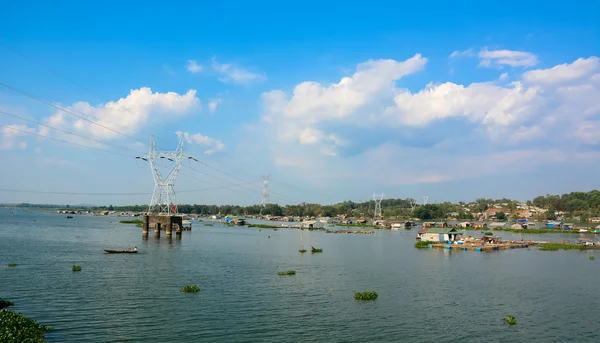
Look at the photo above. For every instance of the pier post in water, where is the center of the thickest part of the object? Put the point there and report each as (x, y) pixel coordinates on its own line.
(170, 226)
(157, 230)
(146, 225)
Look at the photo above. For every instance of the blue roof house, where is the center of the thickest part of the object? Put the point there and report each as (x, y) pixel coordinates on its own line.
(554, 225)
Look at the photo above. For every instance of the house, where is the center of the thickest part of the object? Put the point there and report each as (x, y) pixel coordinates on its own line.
(517, 226)
(400, 225)
(497, 225)
(312, 224)
(465, 224)
(440, 234)
(440, 224)
(554, 225)
(569, 226)
(428, 224)
(421, 233)
(480, 225)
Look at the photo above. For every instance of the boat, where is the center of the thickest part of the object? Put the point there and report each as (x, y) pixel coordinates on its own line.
(69, 217)
(128, 251)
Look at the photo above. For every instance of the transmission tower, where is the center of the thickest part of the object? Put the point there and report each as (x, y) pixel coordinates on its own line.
(378, 198)
(265, 193)
(163, 197)
(425, 198)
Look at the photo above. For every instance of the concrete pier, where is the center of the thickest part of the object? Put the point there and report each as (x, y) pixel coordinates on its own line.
(162, 222)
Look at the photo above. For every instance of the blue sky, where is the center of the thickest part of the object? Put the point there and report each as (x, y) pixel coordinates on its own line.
(454, 100)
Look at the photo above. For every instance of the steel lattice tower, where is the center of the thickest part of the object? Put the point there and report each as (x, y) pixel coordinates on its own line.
(265, 193)
(163, 197)
(425, 199)
(378, 198)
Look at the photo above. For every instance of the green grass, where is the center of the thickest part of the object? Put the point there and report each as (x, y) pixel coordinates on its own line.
(5, 303)
(372, 295)
(289, 272)
(263, 226)
(12, 264)
(14, 327)
(132, 221)
(592, 257)
(302, 251)
(314, 250)
(423, 244)
(559, 246)
(510, 320)
(76, 268)
(190, 289)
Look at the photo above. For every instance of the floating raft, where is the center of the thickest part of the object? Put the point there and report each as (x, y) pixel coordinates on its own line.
(482, 246)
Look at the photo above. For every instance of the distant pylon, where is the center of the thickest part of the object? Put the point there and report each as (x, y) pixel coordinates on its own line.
(425, 198)
(265, 193)
(378, 198)
(163, 197)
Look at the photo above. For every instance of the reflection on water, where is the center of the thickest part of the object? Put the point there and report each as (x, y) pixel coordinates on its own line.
(425, 295)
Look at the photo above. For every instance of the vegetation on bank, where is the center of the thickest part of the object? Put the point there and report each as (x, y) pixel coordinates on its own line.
(372, 295)
(190, 289)
(263, 226)
(288, 272)
(525, 231)
(16, 328)
(560, 246)
(422, 244)
(132, 221)
(510, 320)
(5, 303)
(12, 264)
(76, 268)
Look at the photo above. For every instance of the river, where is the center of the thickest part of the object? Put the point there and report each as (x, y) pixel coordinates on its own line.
(425, 295)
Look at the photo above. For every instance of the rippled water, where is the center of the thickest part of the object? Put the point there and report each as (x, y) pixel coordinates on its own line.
(424, 295)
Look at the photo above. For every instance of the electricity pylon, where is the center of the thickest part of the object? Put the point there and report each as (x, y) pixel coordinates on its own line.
(163, 197)
(425, 198)
(378, 198)
(265, 193)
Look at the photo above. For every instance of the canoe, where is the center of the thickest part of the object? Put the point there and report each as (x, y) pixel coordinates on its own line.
(120, 251)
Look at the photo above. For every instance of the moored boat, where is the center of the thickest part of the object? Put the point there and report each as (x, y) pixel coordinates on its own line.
(128, 251)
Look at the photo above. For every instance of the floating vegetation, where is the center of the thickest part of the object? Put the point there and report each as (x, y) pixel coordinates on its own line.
(510, 320)
(263, 226)
(190, 289)
(488, 234)
(592, 257)
(560, 246)
(423, 244)
(372, 295)
(275, 229)
(14, 327)
(289, 272)
(132, 221)
(208, 225)
(314, 250)
(12, 264)
(76, 268)
(5, 303)
(302, 251)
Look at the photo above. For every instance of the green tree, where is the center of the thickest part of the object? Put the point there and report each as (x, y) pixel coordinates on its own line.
(500, 216)
(550, 214)
(111, 208)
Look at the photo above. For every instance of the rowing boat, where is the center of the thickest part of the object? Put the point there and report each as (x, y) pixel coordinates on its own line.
(120, 251)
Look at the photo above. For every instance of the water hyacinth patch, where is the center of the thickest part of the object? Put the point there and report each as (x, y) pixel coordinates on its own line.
(289, 272)
(5, 303)
(14, 327)
(510, 320)
(314, 250)
(190, 289)
(12, 264)
(302, 251)
(372, 295)
(592, 257)
(76, 268)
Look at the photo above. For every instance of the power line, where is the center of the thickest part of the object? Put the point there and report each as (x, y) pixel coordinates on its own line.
(14, 89)
(65, 131)
(63, 141)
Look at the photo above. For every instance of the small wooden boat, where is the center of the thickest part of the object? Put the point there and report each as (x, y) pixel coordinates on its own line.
(120, 251)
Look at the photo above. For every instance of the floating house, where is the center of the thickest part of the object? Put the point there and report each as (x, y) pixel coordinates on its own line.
(569, 226)
(440, 234)
(554, 225)
(312, 224)
(497, 225)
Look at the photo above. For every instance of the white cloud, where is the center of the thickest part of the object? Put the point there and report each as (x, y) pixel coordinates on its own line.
(503, 77)
(213, 103)
(193, 67)
(10, 136)
(126, 115)
(511, 58)
(564, 73)
(198, 138)
(466, 53)
(236, 74)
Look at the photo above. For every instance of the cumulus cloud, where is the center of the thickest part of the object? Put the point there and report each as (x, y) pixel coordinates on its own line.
(213, 103)
(236, 74)
(193, 67)
(544, 115)
(212, 144)
(125, 115)
(499, 58)
(466, 53)
(10, 135)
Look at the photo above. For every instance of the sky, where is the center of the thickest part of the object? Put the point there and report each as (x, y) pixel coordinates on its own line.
(450, 100)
